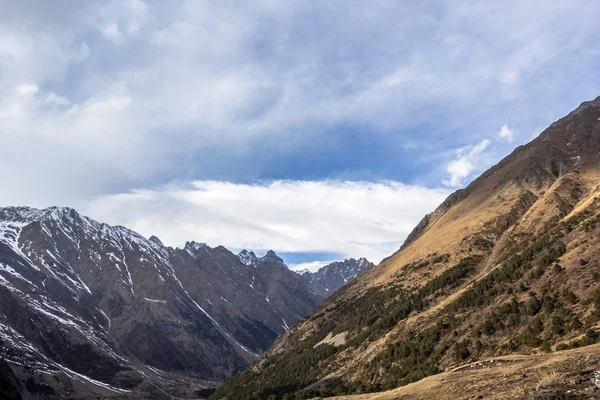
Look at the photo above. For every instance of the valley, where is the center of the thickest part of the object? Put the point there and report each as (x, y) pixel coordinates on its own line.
(299, 200)
(505, 266)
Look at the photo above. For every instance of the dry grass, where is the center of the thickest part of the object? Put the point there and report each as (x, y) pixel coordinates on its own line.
(511, 393)
(548, 377)
(510, 377)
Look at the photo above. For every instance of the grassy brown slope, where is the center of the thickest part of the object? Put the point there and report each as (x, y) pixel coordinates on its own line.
(569, 374)
(506, 265)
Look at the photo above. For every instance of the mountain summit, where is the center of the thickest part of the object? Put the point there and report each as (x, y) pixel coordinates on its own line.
(507, 265)
(271, 256)
(248, 257)
(336, 274)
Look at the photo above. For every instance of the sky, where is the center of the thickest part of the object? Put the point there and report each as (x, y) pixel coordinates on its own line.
(319, 129)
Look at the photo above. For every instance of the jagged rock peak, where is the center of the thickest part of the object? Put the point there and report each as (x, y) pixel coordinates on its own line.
(271, 256)
(247, 257)
(34, 214)
(336, 274)
(195, 246)
(156, 240)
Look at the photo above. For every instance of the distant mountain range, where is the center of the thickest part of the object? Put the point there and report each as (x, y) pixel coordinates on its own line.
(508, 265)
(335, 275)
(88, 309)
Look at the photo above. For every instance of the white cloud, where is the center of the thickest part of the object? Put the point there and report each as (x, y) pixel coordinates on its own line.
(506, 133)
(355, 219)
(52, 99)
(137, 15)
(119, 20)
(458, 169)
(111, 31)
(465, 163)
(312, 266)
(190, 76)
(27, 89)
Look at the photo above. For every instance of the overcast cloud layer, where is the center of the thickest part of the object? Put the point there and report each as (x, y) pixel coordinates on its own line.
(348, 219)
(104, 103)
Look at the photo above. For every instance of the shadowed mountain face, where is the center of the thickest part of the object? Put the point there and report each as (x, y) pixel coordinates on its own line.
(333, 276)
(507, 265)
(95, 310)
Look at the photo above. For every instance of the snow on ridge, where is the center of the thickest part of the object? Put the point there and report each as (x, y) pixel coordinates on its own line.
(57, 224)
(214, 321)
(8, 269)
(155, 300)
(195, 246)
(75, 227)
(247, 258)
(4, 282)
(246, 350)
(59, 233)
(66, 218)
(10, 232)
(77, 376)
(50, 309)
(333, 273)
(31, 357)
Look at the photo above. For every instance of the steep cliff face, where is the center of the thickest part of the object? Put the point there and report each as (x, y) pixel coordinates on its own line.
(109, 312)
(508, 264)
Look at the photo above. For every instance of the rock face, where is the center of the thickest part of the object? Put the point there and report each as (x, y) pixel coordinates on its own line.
(509, 264)
(335, 275)
(103, 311)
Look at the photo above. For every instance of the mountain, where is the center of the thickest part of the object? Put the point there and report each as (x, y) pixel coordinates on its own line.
(335, 275)
(507, 265)
(88, 309)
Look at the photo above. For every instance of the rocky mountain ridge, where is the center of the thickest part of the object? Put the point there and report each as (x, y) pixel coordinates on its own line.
(89, 309)
(336, 274)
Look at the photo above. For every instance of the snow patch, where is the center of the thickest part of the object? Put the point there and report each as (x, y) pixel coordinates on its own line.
(155, 300)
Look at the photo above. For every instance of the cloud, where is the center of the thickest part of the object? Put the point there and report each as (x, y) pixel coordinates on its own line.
(506, 133)
(468, 158)
(27, 89)
(354, 219)
(119, 20)
(312, 266)
(112, 31)
(55, 100)
(98, 98)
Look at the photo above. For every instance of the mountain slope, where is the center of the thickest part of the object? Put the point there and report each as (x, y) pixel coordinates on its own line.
(108, 312)
(542, 376)
(508, 264)
(336, 274)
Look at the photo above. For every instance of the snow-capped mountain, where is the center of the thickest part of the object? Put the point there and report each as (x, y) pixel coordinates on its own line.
(88, 309)
(335, 275)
